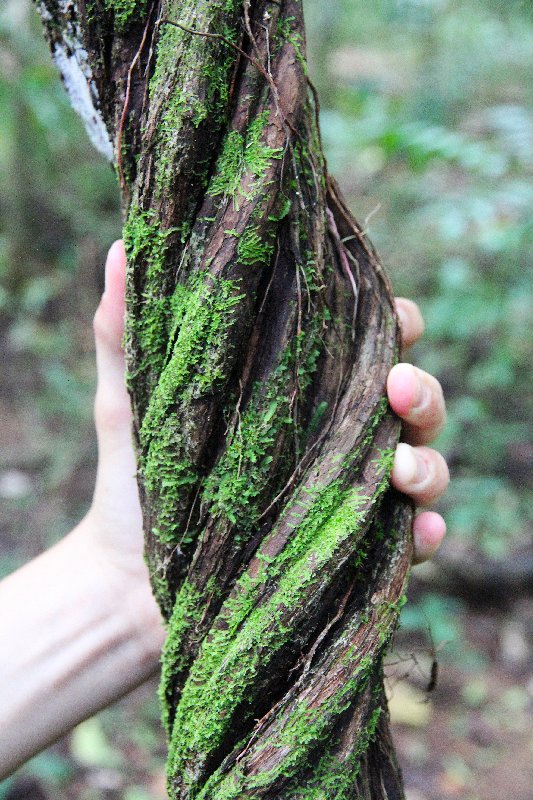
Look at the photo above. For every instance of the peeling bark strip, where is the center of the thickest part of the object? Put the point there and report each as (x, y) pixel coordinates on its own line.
(260, 332)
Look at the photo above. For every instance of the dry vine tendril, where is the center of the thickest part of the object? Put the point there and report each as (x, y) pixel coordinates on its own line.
(260, 333)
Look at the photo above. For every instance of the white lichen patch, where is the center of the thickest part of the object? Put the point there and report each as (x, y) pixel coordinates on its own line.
(72, 60)
(81, 97)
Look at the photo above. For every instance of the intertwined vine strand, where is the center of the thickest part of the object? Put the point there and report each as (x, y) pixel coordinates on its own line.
(260, 332)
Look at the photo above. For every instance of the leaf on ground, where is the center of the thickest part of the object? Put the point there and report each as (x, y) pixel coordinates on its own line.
(408, 706)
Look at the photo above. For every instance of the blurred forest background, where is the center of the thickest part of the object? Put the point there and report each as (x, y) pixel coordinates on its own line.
(427, 114)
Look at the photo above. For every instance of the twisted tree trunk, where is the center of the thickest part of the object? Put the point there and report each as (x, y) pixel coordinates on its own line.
(260, 331)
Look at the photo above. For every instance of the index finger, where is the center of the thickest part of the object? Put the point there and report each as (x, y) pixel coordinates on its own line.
(411, 320)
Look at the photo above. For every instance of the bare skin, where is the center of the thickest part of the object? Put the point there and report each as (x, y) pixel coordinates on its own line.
(95, 632)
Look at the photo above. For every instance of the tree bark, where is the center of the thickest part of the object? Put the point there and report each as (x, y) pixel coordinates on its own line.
(260, 332)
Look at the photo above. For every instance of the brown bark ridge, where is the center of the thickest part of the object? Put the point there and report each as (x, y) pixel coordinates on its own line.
(260, 332)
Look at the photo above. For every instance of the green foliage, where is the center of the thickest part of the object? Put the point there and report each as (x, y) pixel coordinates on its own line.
(59, 211)
(49, 768)
(90, 746)
(59, 192)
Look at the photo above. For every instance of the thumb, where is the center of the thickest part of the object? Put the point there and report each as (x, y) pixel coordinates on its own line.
(112, 405)
(109, 317)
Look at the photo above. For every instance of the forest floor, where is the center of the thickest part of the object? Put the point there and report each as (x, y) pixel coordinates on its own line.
(475, 739)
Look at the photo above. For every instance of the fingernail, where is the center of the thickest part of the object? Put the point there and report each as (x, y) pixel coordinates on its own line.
(409, 466)
(106, 273)
(421, 468)
(404, 464)
(113, 255)
(422, 394)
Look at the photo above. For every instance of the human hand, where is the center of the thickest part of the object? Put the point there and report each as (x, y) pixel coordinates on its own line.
(419, 471)
(415, 396)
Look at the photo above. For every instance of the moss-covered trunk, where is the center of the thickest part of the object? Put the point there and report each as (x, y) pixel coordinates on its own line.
(260, 331)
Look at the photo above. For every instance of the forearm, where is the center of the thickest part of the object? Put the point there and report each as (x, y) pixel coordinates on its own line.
(76, 633)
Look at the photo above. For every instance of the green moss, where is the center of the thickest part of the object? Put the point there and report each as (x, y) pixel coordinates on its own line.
(184, 336)
(388, 616)
(160, 586)
(239, 483)
(385, 461)
(334, 779)
(227, 666)
(168, 474)
(200, 317)
(250, 627)
(307, 727)
(240, 479)
(284, 209)
(180, 342)
(146, 243)
(230, 166)
(317, 417)
(199, 86)
(242, 155)
(186, 612)
(254, 248)
(379, 413)
(288, 32)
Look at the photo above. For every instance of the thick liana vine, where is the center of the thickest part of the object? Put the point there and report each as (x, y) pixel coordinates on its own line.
(260, 332)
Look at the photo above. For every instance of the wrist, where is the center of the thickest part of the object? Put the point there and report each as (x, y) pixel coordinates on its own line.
(81, 634)
(124, 580)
